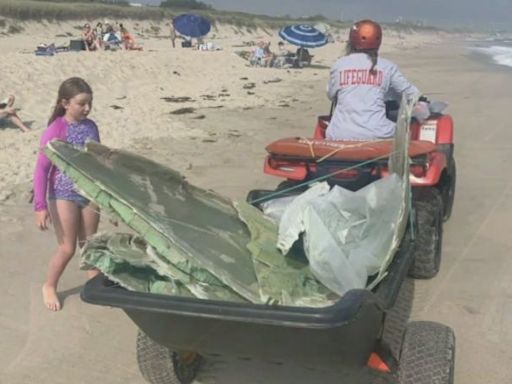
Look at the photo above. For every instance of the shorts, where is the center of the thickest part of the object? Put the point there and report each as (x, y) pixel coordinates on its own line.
(79, 200)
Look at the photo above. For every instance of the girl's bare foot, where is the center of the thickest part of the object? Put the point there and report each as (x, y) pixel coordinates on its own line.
(50, 298)
(10, 101)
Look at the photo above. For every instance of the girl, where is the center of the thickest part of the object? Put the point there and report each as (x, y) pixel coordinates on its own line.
(361, 82)
(73, 216)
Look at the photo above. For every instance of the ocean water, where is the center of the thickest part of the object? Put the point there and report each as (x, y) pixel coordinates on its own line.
(499, 51)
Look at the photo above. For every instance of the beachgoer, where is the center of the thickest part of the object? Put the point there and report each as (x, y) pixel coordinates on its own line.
(89, 38)
(7, 112)
(98, 31)
(283, 56)
(129, 40)
(74, 217)
(303, 57)
(269, 57)
(111, 38)
(173, 35)
(257, 54)
(360, 83)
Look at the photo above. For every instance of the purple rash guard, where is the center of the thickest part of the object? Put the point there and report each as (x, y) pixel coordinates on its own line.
(47, 178)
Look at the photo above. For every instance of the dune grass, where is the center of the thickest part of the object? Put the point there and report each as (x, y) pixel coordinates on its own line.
(64, 10)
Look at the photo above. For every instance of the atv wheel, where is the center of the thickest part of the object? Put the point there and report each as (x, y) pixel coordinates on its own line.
(447, 188)
(428, 354)
(160, 365)
(429, 233)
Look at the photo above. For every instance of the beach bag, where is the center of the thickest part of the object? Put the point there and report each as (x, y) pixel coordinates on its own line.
(76, 45)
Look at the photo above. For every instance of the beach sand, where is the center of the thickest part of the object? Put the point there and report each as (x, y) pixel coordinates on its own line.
(234, 111)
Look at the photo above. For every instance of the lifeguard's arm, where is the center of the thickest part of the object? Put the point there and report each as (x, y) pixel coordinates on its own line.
(334, 83)
(43, 166)
(401, 85)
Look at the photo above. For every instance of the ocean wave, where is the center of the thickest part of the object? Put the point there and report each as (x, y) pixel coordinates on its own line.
(500, 54)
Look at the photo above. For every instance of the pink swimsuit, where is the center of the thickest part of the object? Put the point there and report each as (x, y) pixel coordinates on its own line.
(47, 178)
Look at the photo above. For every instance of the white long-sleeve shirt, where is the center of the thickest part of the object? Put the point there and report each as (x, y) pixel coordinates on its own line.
(360, 112)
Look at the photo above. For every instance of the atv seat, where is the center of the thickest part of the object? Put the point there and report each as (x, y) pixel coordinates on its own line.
(321, 149)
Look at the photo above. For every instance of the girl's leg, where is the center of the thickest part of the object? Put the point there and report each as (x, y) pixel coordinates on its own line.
(66, 218)
(89, 220)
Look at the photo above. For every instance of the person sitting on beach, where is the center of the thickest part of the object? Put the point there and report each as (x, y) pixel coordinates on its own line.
(257, 54)
(283, 57)
(99, 32)
(111, 39)
(303, 57)
(261, 55)
(129, 40)
(89, 38)
(359, 85)
(269, 57)
(7, 112)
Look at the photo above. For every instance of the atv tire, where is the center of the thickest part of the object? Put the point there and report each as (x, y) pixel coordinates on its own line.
(447, 188)
(427, 248)
(428, 354)
(160, 365)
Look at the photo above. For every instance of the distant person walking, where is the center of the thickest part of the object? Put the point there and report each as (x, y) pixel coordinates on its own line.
(74, 217)
(173, 35)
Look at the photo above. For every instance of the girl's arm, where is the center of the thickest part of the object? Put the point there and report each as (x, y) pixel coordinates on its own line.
(56, 130)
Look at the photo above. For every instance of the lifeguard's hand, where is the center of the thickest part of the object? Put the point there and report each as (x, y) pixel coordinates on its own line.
(421, 111)
(43, 220)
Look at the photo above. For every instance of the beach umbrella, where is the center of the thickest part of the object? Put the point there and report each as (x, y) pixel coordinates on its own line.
(191, 25)
(303, 35)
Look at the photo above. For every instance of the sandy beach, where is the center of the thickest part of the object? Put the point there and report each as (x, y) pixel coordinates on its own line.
(233, 111)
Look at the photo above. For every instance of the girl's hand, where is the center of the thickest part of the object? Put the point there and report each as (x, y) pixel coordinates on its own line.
(43, 219)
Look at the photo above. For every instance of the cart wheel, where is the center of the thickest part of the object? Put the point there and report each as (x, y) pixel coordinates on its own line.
(160, 365)
(428, 354)
(429, 233)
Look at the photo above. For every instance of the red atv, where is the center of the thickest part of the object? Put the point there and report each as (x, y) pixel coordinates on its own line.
(355, 164)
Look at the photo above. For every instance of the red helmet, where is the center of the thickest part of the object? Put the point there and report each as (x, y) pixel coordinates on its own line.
(365, 34)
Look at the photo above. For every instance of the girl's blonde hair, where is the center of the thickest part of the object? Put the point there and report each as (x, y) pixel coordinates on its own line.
(67, 90)
(373, 54)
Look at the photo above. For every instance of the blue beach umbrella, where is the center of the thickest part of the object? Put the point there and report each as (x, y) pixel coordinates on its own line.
(303, 35)
(191, 25)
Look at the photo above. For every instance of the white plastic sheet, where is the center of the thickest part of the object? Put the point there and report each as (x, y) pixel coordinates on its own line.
(346, 234)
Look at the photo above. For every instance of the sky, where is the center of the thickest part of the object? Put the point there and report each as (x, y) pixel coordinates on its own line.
(458, 13)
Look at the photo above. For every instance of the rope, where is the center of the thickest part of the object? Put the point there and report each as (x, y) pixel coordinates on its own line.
(320, 178)
(333, 152)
